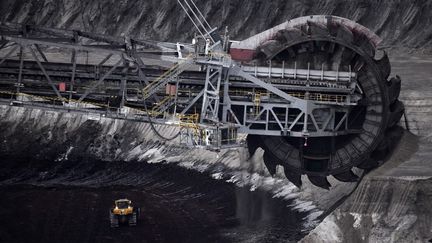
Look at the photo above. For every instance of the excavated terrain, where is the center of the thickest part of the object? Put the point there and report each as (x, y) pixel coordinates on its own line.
(401, 23)
(60, 173)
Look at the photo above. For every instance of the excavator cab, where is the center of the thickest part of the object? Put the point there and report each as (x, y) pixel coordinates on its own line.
(123, 212)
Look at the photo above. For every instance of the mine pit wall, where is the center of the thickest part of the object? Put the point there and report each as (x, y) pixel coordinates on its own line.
(39, 140)
(381, 210)
(401, 23)
(102, 138)
(393, 202)
(399, 207)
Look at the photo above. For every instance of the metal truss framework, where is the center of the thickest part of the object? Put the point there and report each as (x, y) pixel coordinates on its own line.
(280, 113)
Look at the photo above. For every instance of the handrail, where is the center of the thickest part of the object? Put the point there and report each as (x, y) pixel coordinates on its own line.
(166, 76)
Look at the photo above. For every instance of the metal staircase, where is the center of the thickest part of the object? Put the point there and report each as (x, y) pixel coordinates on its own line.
(165, 78)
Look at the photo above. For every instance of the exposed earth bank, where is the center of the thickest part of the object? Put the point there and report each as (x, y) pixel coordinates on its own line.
(391, 204)
(401, 23)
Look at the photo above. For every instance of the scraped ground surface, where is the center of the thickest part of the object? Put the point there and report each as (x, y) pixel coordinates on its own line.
(177, 205)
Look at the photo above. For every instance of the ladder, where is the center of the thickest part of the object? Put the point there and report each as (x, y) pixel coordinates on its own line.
(257, 102)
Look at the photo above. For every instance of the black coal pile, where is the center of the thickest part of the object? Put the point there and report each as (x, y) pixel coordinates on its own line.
(56, 187)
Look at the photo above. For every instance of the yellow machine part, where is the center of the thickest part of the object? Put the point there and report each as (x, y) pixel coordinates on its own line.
(124, 211)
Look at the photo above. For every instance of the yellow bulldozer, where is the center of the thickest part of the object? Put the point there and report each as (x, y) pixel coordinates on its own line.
(123, 213)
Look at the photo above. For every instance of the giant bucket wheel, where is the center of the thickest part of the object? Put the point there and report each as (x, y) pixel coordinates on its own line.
(332, 43)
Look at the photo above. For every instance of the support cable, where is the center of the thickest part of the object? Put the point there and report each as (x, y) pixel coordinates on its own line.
(200, 13)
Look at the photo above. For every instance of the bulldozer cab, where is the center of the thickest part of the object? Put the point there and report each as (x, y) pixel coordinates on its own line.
(123, 207)
(123, 203)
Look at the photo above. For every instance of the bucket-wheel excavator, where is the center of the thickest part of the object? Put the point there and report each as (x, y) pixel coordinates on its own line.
(315, 92)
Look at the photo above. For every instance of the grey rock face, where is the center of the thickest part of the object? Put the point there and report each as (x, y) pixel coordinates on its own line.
(388, 211)
(401, 22)
(391, 204)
